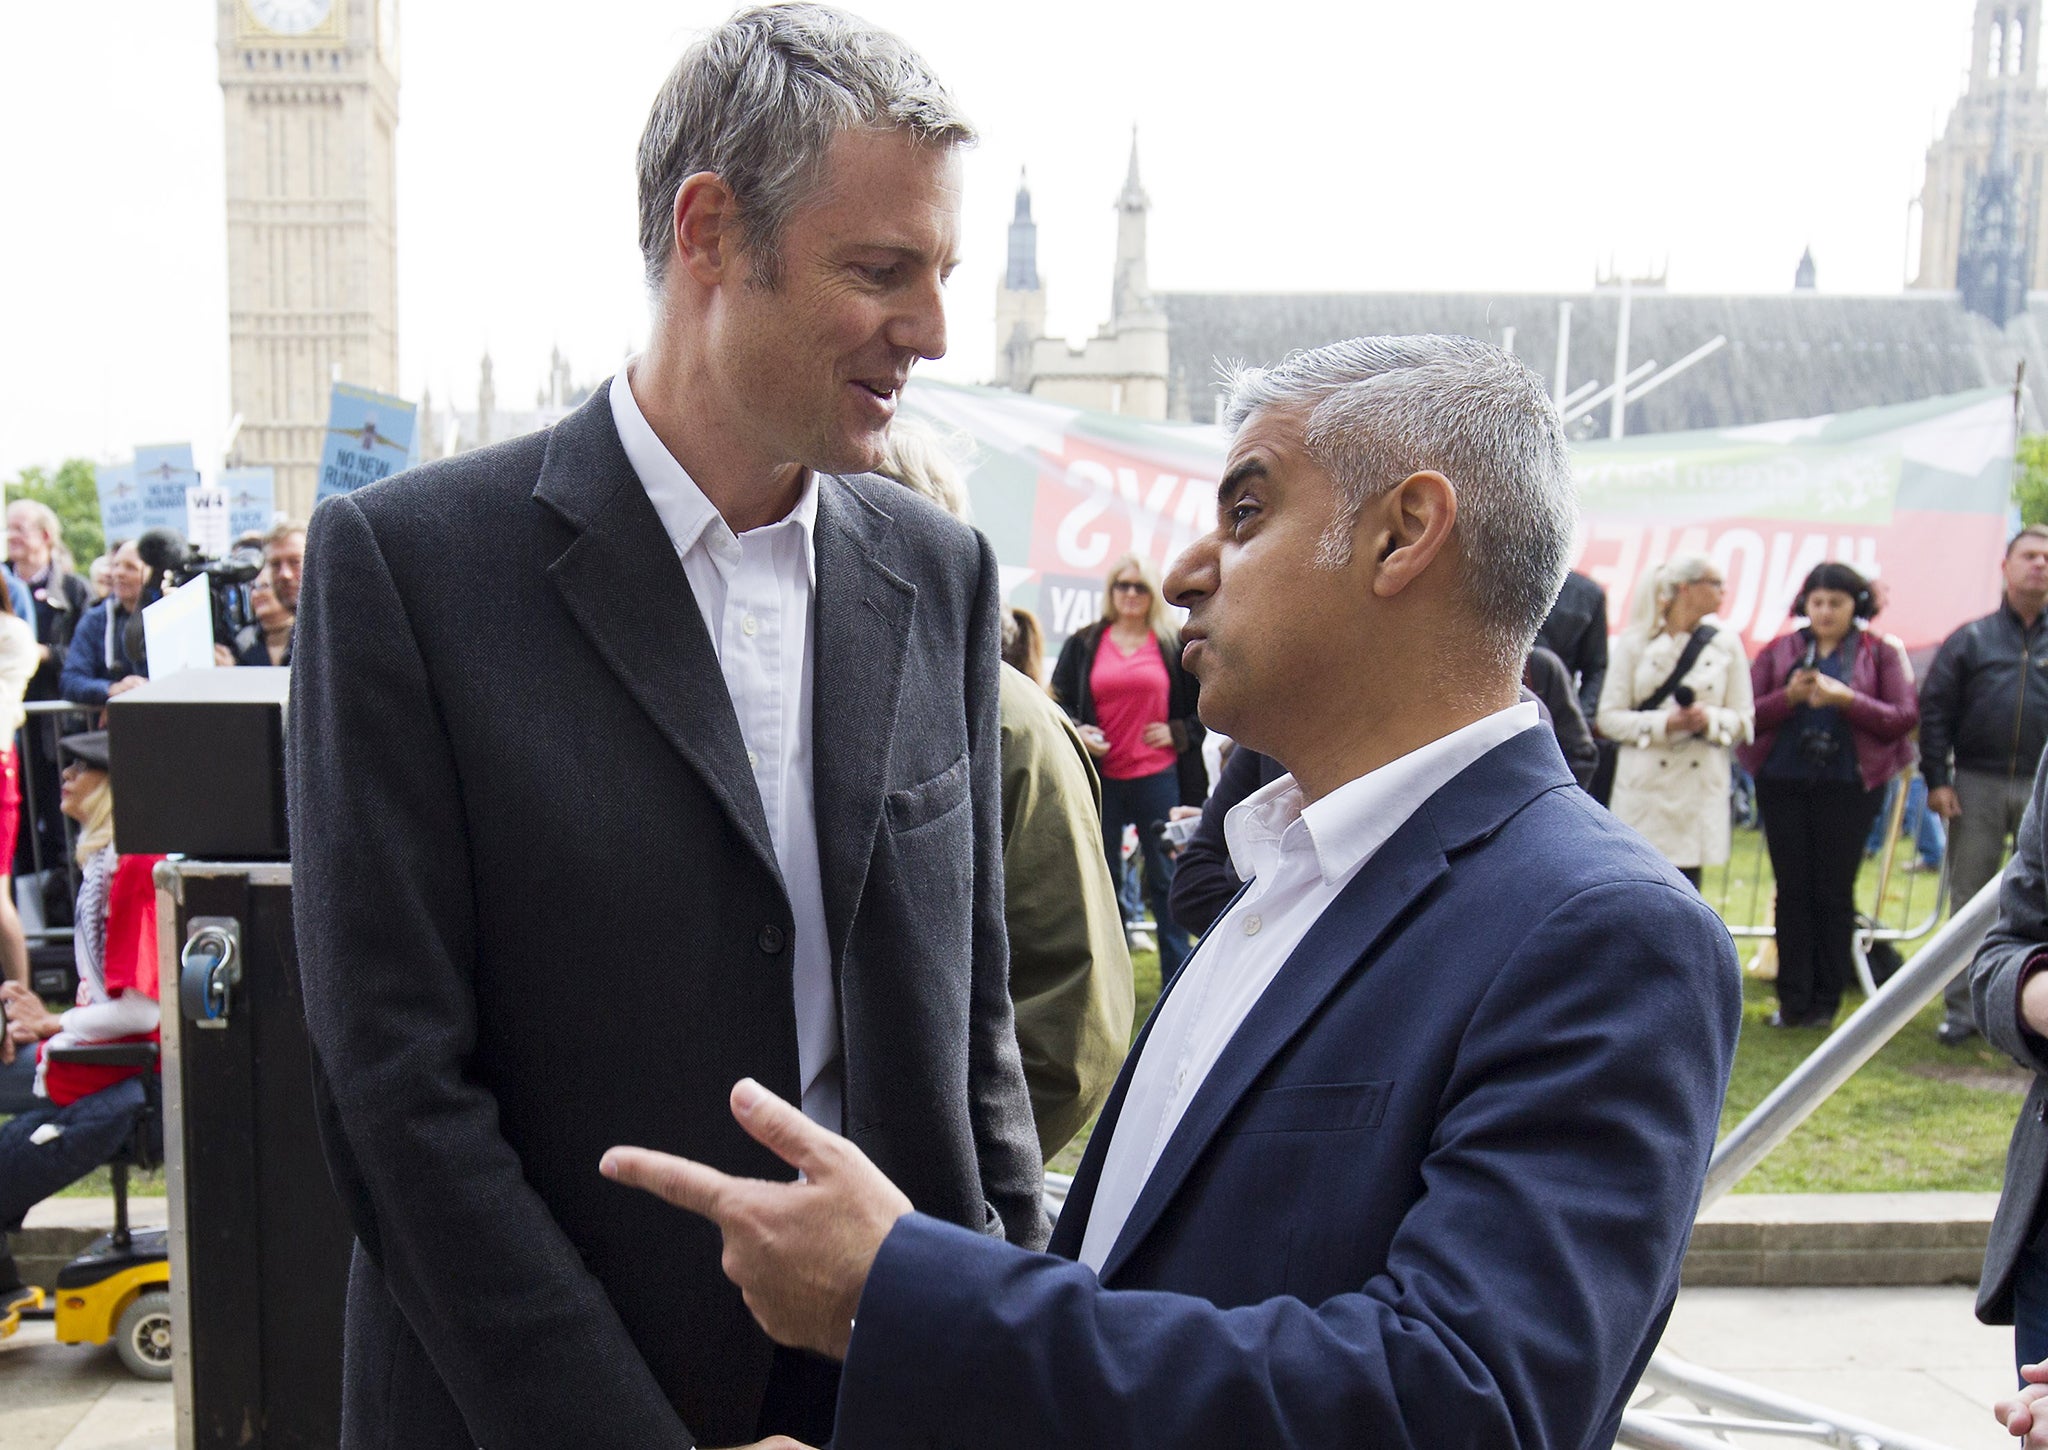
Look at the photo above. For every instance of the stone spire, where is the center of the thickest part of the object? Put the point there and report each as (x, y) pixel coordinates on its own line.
(1020, 299)
(1022, 275)
(559, 386)
(1133, 293)
(486, 401)
(1807, 276)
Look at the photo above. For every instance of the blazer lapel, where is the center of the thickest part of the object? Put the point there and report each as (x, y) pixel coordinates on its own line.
(861, 614)
(1473, 805)
(624, 585)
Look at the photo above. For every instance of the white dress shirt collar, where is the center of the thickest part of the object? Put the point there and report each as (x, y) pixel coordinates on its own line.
(685, 512)
(1295, 862)
(1347, 826)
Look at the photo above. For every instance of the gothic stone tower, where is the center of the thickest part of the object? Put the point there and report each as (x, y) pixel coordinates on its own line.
(311, 88)
(2004, 92)
(1020, 299)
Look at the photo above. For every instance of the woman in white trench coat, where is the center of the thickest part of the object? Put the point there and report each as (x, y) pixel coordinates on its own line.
(1671, 777)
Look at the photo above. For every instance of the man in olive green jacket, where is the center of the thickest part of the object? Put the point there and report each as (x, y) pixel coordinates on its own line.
(1070, 970)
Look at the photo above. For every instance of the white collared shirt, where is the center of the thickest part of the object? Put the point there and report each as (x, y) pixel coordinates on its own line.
(1296, 860)
(754, 591)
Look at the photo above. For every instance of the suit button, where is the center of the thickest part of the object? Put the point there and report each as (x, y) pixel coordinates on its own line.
(771, 940)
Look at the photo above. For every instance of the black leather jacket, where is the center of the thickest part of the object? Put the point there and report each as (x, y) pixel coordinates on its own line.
(1985, 701)
(1576, 632)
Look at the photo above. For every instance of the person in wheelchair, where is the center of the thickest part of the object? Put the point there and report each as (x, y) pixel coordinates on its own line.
(85, 1113)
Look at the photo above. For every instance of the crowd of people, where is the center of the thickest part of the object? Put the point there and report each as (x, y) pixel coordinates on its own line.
(767, 770)
(1813, 739)
(1815, 733)
(67, 640)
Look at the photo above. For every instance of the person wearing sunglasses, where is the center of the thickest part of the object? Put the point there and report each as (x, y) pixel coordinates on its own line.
(1121, 681)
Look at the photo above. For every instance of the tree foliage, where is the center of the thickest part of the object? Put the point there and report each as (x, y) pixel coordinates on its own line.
(2030, 479)
(73, 491)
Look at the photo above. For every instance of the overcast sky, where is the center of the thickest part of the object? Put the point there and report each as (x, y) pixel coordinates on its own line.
(1484, 145)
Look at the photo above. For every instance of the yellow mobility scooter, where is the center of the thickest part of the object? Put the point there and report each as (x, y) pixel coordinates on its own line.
(119, 1289)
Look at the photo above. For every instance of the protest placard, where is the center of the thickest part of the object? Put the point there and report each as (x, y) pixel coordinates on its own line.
(120, 502)
(252, 499)
(369, 435)
(163, 471)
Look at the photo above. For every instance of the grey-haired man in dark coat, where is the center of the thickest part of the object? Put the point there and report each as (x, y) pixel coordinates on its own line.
(651, 751)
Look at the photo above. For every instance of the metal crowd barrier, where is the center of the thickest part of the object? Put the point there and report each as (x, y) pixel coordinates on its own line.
(1749, 911)
(1721, 1404)
(48, 720)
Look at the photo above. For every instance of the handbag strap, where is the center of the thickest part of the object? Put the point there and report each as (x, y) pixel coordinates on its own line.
(1686, 660)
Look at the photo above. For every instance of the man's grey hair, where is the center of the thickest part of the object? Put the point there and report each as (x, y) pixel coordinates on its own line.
(757, 102)
(49, 526)
(1377, 410)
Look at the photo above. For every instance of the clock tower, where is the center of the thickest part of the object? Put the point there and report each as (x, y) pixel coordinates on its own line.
(311, 88)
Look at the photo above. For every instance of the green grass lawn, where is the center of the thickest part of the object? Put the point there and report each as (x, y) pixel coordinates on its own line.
(1916, 1116)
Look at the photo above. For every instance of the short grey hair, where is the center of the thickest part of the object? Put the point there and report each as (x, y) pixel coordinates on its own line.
(757, 102)
(1377, 410)
(47, 522)
(49, 526)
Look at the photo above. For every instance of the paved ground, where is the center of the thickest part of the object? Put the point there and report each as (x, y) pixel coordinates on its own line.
(1913, 1359)
(62, 1397)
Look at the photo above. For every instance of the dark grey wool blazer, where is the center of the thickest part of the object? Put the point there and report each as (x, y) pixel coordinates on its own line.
(539, 914)
(1995, 978)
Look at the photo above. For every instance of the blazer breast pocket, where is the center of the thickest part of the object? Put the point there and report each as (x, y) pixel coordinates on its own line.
(918, 804)
(1323, 1107)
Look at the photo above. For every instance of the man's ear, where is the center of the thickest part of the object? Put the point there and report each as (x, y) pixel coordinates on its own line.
(704, 227)
(1414, 521)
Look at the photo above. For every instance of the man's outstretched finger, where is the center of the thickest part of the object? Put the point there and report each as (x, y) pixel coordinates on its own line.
(681, 1182)
(779, 1126)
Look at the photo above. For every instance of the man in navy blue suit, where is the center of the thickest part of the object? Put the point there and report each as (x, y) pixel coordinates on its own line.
(1409, 1152)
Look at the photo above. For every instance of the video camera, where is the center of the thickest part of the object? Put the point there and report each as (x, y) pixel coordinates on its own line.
(172, 562)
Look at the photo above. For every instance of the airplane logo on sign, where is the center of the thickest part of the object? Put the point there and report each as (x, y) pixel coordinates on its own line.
(367, 437)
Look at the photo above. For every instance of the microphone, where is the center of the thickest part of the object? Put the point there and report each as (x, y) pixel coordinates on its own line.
(162, 549)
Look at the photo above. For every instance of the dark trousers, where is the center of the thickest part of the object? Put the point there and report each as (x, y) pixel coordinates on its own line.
(1992, 807)
(1815, 833)
(18, 1084)
(802, 1397)
(1145, 803)
(94, 1128)
(2030, 1298)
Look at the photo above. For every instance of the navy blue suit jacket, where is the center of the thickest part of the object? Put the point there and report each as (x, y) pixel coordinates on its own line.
(1435, 1193)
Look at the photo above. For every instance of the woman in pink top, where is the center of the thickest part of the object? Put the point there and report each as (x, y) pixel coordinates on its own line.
(1121, 680)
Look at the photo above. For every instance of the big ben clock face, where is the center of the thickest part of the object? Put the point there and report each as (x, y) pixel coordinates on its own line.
(290, 17)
